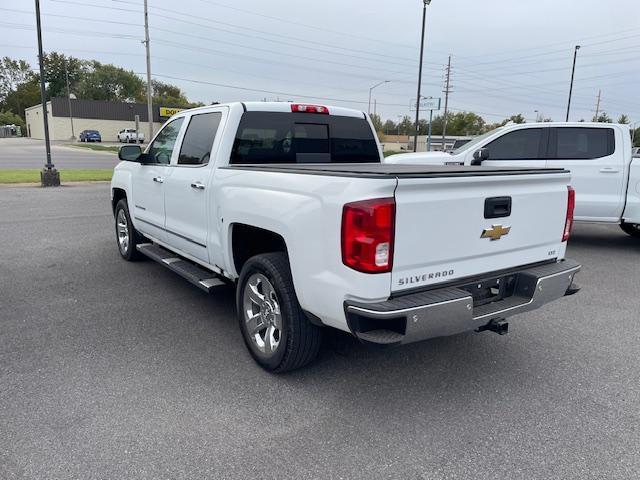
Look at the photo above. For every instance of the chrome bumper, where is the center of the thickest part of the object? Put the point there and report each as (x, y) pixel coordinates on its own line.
(451, 310)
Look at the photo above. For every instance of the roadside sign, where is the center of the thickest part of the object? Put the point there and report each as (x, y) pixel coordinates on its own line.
(426, 104)
(168, 112)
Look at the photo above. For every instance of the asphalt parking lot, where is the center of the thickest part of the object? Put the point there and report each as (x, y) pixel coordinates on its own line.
(30, 153)
(117, 370)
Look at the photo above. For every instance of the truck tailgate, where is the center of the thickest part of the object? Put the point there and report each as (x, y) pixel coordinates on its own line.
(440, 224)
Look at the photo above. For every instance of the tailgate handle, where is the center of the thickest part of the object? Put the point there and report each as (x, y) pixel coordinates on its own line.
(497, 207)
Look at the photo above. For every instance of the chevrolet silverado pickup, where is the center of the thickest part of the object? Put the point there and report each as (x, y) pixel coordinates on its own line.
(292, 204)
(604, 171)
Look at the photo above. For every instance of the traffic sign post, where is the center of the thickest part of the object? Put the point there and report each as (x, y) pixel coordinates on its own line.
(431, 104)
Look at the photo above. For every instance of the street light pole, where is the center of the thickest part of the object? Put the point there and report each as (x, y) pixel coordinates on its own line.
(66, 74)
(371, 90)
(49, 176)
(148, 51)
(573, 71)
(424, 21)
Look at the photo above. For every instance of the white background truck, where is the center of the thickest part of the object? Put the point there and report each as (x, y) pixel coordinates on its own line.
(129, 135)
(604, 172)
(292, 204)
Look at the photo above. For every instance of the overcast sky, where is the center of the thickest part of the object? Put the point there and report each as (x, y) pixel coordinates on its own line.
(508, 56)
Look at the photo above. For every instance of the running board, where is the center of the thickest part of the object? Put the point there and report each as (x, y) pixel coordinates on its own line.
(199, 276)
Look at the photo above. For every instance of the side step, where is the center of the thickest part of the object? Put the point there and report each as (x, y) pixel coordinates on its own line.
(200, 277)
(381, 337)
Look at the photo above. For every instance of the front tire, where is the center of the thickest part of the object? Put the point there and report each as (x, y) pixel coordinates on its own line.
(632, 229)
(276, 331)
(127, 237)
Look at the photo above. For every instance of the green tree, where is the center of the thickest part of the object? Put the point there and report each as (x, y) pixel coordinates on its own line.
(603, 118)
(406, 126)
(519, 118)
(108, 82)
(55, 67)
(389, 127)
(25, 95)
(377, 122)
(636, 137)
(624, 119)
(12, 74)
(167, 94)
(10, 118)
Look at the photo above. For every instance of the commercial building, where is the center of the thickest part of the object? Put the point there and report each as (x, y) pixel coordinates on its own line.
(106, 117)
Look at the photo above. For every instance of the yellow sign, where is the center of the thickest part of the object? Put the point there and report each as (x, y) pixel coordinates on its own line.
(168, 112)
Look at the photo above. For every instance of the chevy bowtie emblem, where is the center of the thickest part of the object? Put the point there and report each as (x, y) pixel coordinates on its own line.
(496, 232)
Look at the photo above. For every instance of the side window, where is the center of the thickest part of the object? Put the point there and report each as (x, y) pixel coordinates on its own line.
(518, 145)
(583, 143)
(162, 147)
(198, 139)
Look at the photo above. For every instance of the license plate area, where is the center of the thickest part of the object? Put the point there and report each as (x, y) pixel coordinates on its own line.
(491, 290)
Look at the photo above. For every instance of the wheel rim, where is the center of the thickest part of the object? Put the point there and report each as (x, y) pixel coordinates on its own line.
(262, 316)
(123, 232)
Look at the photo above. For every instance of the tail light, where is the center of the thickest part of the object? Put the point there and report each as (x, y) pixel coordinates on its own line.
(571, 205)
(367, 235)
(302, 108)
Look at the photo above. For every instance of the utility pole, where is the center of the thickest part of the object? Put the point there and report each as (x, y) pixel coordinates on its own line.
(573, 72)
(49, 176)
(595, 119)
(66, 74)
(149, 91)
(424, 21)
(446, 91)
(371, 90)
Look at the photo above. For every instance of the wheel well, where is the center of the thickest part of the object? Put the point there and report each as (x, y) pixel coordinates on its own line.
(118, 194)
(248, 241)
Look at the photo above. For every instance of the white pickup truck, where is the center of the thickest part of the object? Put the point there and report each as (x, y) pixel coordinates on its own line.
(130, 135)
(604, 172)
(292, 204)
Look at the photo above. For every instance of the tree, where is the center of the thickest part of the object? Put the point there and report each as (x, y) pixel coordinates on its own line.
(108, 82)
(377, 122)
(406, 126)
(25, 95)
(624, 119)
(167, 94)
(636, 137)
(12, 74)
(519, 118)
(603, 118)
(55, 66)
(10, 118)
(389, 127)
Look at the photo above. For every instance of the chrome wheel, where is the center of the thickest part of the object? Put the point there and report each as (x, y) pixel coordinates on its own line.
(123, 232)
(262, 316)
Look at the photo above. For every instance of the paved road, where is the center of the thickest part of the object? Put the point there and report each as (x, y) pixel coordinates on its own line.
(114, 370)
(30, 153)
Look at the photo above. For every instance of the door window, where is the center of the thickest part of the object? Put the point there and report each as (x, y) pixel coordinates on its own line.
(583, 143)
(198, 139)
(518, 145)
(162, 147)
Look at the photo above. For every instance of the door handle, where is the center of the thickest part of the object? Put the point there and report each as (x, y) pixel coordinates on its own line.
(197, 186)
(609, 170)
(158, 179)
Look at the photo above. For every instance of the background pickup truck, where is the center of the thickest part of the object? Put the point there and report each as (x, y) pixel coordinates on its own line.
(129, 135)
(604, 172)
(292, 204)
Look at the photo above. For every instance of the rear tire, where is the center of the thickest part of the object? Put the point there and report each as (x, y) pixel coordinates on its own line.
(277, 333)
(632, 229)
(127, 237)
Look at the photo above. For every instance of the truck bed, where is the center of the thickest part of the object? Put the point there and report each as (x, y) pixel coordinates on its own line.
(376, 170)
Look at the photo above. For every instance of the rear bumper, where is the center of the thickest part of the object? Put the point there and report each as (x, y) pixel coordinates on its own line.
(451, 310)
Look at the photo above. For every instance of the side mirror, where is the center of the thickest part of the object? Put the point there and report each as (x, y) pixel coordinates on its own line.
(480, 156)
(130, 153)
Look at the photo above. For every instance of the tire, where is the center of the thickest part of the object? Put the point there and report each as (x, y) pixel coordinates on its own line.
(632, 229)
(124, 228)
(289, 340)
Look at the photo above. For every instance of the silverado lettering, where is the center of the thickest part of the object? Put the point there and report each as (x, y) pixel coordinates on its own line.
(424, 277)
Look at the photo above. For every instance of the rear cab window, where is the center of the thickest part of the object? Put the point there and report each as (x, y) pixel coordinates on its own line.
(524, 144)
(582, 143)
(279, 137)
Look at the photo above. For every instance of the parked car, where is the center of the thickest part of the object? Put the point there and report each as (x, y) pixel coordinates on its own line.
(636, 151)
(90, 136)
(604, 173)
(292, 205)
(129, 135)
